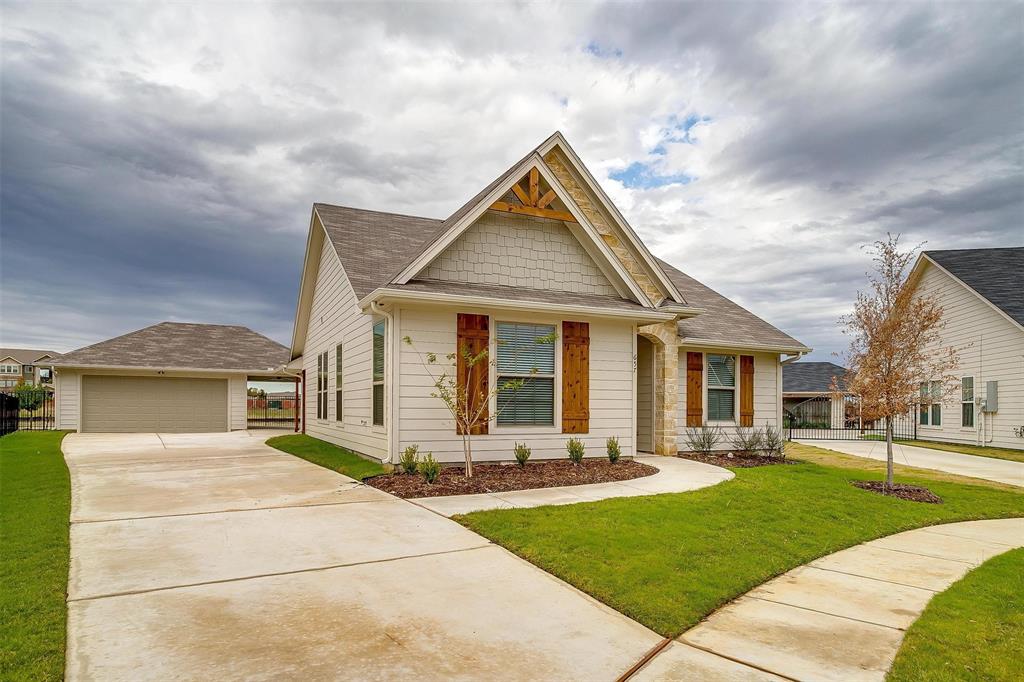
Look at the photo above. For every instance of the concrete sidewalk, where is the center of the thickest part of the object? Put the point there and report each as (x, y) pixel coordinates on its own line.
(217, 557)
(999, 470)
(841, 617)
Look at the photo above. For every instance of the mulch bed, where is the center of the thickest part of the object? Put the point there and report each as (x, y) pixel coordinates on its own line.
(735, 460)
(914, 493)
(498, 478)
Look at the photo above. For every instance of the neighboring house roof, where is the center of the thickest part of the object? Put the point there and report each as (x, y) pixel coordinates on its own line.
(994, 274)
(724, 321)
(171, 345)
(26, 356)
(811, 377)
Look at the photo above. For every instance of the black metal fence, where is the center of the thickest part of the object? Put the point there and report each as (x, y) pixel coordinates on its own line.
(8, 414)
(904, 428)
(36, 409)
(272, 411)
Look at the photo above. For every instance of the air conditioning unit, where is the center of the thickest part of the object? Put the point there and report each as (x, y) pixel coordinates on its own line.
(990, 403)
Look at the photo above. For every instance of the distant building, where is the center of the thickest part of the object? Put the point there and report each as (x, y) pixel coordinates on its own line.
(26, 366)
(807, 399)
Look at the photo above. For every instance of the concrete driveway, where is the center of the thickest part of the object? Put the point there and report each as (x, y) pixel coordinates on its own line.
(216, 557)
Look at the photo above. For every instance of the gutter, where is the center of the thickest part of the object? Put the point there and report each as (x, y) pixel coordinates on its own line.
(267, 372)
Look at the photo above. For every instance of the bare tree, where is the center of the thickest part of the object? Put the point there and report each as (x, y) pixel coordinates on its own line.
(895, 343)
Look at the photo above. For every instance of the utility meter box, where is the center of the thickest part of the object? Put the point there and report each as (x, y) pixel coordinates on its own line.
(991, 403)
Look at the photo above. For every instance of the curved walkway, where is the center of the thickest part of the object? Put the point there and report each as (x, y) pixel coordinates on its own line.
(840, 617)
(674, 475)
(989, 468)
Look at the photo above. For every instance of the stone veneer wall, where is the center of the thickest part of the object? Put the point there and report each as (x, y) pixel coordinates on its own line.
(665, 339)
(521, 251)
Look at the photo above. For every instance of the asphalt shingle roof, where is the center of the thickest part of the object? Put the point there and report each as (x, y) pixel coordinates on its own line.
(996, 274)
(26, 356)
(810, 377)
(171, 345)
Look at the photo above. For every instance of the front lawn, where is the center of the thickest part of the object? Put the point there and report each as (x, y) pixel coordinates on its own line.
(327, 455)
(35, 505)
(669, 560)
(974, 630)
(998, 453)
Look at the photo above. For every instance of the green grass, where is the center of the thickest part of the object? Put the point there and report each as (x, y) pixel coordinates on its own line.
(327, 455)
(998, 453)
(35, 505)
(669, 560)
(972, 631)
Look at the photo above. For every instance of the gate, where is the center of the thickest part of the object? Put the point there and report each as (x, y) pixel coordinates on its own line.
(904, 427)
(35, 411)
(8, 414)
(272, 411)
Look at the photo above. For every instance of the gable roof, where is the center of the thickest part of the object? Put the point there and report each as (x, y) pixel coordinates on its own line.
(993, 274)
(723, 321)
(26, 356)
(180, 345)
(811, 377)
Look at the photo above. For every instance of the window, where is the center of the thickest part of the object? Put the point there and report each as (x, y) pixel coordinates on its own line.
(525, 351)
(46, 375)
(9, 369)
(967, 401)
(321, 386)
(936, 403)
(338, 403)
(923, 420)
(378, 373)
(721, 388)
(26, 369)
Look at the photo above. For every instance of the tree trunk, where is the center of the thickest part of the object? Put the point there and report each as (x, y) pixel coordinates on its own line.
(467, 450)
(888, 451)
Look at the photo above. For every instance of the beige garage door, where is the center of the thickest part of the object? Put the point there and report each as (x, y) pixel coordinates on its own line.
(164, 404)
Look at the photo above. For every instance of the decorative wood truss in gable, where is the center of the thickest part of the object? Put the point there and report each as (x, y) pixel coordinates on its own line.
(531, 202)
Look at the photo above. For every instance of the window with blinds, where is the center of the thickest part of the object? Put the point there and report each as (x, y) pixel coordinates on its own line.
(967, 401)
(936, 403)
(721, 388)
(378, 373)
(525, 351)
(923, 414)
(338, 404)
(321, 385)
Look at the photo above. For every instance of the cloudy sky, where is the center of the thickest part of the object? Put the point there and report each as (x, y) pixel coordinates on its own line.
(159, 161)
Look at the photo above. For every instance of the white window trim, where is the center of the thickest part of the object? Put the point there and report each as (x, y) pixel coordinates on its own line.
(339, 383)
(323, 360)
(974, 416)
(492, 377)
(382, 426)
(735, 389)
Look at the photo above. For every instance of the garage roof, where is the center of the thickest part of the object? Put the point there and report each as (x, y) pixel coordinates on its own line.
(181, 345)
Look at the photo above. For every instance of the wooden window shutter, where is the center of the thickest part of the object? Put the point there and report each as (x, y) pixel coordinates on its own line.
(694, 388)
(473, 336)
(575, 377)
(746, 390)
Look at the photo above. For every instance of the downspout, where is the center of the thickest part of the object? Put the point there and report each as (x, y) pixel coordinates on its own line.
(388, 365)
(793, 358)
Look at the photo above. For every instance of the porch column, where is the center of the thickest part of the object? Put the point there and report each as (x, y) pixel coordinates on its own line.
(665, 339)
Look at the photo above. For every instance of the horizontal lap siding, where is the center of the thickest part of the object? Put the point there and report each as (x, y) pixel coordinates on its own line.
(766, 392)
(335, 318)
(68, 399)
(991, 348)
(426, 421)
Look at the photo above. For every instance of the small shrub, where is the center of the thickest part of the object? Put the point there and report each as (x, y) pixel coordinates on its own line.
(614, 451)
(522, 454)
(703, 439)
(430, 468)
(575, 448)
(749, 440)
(773, 443)
(410, 458)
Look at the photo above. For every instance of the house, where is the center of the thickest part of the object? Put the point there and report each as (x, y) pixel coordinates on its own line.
(981, 292)
(642, 350)
(26, 366)
(172, 377)
(807, 398)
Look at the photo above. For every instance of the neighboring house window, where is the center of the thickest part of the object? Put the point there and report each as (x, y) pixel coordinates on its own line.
(721, 388)
(936, 403)
(321, 386)
(46, 375)
(522, 355)
(923, 419)
(26, 369)
(378, 373)
(9, 369)
(967, 401)
(337, 383)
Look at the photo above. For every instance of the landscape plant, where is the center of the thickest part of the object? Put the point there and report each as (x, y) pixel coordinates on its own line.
(773, 443)
(703, 439)
(749, 440)
(613, 449)
(410, 459)
(429, 468)
(522, 454)
(895, 344)
(575, 448)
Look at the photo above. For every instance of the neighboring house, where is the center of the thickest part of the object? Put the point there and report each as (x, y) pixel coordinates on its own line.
(26, 366)
(981, 292)
(807, 398)
(642, 350)
(171, 377)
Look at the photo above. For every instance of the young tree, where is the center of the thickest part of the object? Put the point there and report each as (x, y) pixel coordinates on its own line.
(895, 343)
(468, 406)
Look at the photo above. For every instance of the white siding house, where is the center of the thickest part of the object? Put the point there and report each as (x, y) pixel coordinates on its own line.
(981, 292)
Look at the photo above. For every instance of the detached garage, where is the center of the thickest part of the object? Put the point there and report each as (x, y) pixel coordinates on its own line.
(169, 378)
